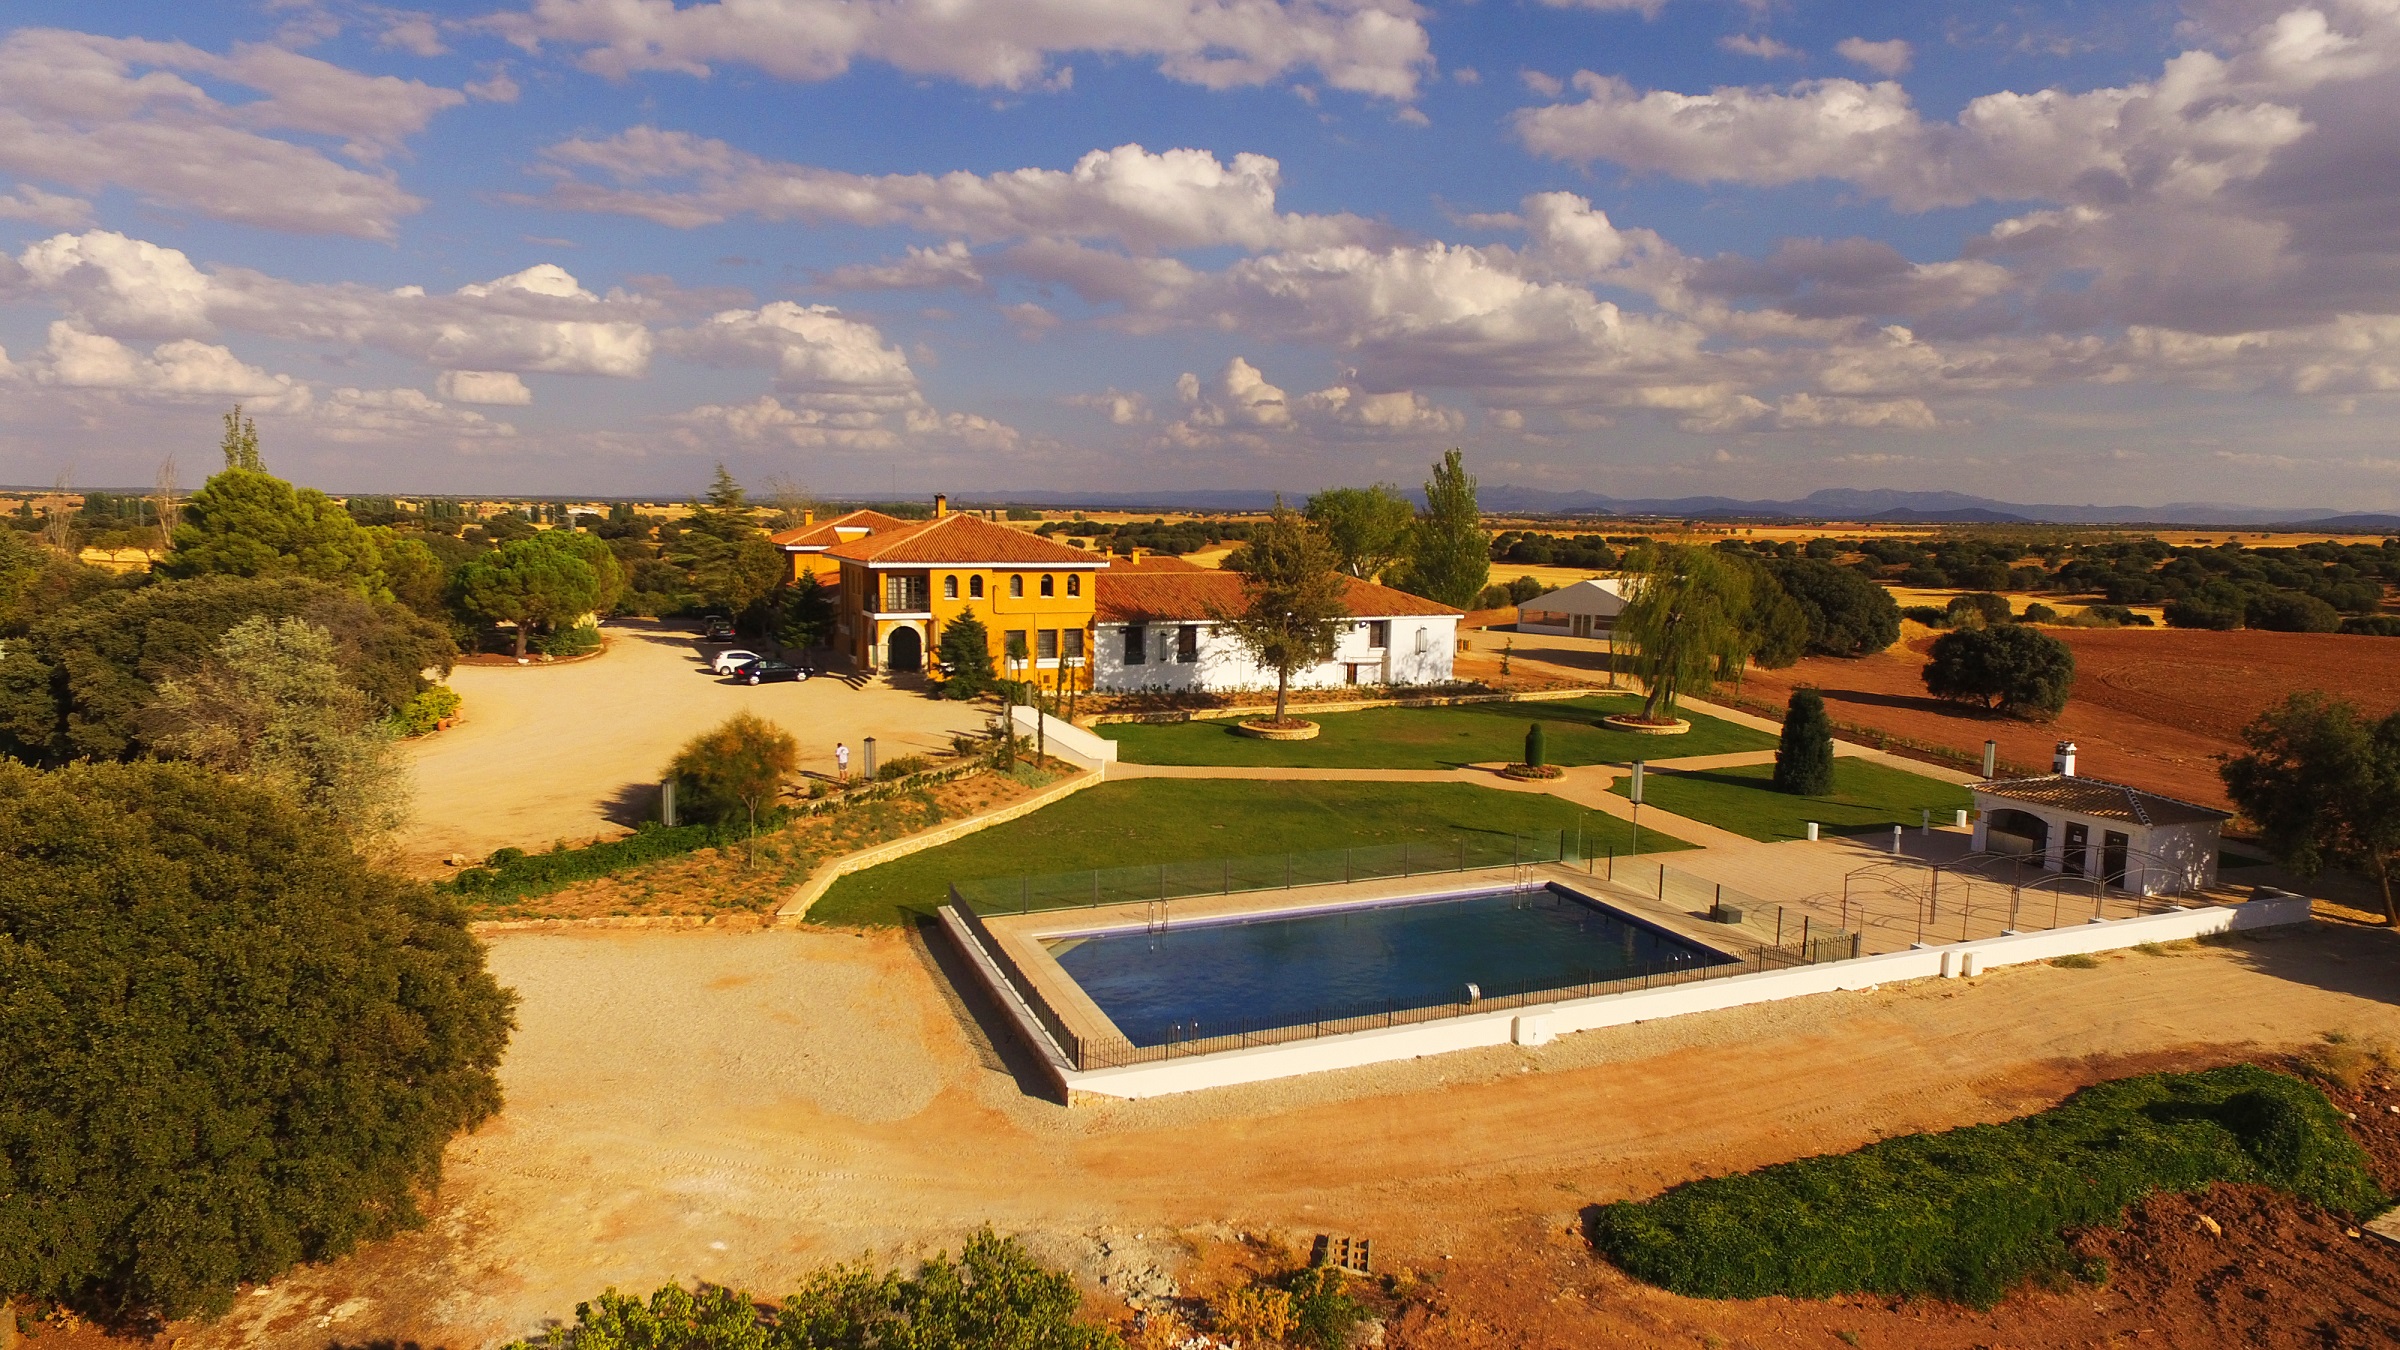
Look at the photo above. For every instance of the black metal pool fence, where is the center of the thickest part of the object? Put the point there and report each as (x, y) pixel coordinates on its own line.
(1151, 882)
(1157, 885)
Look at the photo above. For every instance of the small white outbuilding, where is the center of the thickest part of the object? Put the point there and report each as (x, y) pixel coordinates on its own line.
(2131, 838)
(1586, 609)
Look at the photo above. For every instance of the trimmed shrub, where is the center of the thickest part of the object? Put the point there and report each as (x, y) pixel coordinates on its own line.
(1970, 1214)
(426, 712)
(1804, 758)
(574, 640)
(1535, 751)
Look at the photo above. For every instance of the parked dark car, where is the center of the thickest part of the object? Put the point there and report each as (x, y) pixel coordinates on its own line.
(719, 630)
(763, 670)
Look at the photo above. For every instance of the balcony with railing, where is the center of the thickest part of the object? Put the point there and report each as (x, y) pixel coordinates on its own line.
(905, 593)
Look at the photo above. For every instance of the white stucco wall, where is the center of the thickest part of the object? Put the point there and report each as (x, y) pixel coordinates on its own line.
(1420, 652)
(2161, 858)
(1540, 1023)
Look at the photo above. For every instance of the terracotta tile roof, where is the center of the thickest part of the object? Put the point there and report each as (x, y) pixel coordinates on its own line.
(2099, 797)
(1168, 594)
(827, 533)
(1154, 562)
(959, 538)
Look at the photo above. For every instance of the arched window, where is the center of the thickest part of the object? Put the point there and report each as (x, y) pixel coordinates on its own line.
(1048, 586)
(1016, 588)
(975, 587)
(1074, 584)
(949, 588)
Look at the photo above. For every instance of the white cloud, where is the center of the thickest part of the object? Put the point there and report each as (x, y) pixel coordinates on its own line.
(1123, 409)
(537, 320)
(942, 267)
(1648, 9)
(1546, 85)
(1890, 57)
(31, 204)
(1374, 47)
(415, 34)
(79, 359)
(93, 112)
(1244, 407)
(402, 415)
(838, 382)
(2207, 122)
(1172, 199)
(1759, 45)
(490, 387)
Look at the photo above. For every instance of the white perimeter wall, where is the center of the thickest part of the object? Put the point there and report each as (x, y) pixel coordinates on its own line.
(1223, 665)
(1539, 1024)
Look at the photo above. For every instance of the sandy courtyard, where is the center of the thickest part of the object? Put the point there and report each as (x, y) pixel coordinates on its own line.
(575, 750)
(742, 1107)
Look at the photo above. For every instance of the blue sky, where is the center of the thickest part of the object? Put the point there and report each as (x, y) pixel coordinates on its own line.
(2060, 252)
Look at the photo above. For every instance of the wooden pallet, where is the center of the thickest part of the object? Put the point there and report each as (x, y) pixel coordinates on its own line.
(1355, 1255)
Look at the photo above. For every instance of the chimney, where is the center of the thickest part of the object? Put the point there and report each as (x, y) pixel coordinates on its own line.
(941, 505)
(808, 516)
(2062, 761)
(1136, 556)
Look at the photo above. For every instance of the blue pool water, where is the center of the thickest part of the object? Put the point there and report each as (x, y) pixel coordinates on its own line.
(1214, 977)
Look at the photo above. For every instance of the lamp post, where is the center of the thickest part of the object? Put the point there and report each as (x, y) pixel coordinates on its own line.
(870, 759)
(1633, 789)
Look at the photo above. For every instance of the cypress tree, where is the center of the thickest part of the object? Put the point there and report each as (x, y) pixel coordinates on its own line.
(1535, 752)
(1804, 760)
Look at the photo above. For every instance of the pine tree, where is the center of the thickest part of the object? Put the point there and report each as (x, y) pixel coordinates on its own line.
(966, 654)
(1804, 759)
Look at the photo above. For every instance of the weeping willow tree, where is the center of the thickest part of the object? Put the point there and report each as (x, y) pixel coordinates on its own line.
(1687, 622)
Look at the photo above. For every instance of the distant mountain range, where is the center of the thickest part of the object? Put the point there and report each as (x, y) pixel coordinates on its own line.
(1865, 505)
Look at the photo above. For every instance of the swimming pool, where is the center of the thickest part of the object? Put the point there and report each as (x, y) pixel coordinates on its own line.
(1214, 977)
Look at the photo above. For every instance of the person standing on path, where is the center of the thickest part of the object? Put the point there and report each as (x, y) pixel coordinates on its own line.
(841, 761)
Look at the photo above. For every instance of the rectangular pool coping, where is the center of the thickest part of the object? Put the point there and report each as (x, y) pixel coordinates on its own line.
(1021, 937)
(1535, 1025)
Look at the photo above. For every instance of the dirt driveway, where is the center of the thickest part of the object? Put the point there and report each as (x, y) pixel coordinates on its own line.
(574, 750)
(743, 1107)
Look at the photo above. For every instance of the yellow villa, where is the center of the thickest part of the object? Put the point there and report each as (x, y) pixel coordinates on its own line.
(805, 545)
(901, 584)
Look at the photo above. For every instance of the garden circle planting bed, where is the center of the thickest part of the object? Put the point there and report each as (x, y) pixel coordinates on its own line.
(1673, 726)
(1532, 771)
(1268, 729)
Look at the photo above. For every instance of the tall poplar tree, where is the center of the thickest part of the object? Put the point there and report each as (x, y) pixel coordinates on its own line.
(1449, 555)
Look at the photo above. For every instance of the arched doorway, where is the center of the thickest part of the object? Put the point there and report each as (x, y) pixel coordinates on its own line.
(2011, 831)
(904, 651)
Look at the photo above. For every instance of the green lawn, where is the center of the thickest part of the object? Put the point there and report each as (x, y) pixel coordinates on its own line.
(1167, 821)
(1435, 738)
(1866, 796)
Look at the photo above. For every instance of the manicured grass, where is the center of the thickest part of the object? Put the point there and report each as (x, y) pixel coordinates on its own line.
(1970, 1214)
(1167, 820)
(1866, 796)
(1435, 738)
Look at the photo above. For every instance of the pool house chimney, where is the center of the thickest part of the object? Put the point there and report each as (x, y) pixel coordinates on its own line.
(2062, 760)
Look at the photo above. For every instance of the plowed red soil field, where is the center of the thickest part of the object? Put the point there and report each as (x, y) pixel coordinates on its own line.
(2152, 707)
